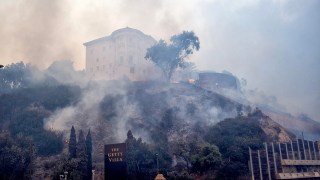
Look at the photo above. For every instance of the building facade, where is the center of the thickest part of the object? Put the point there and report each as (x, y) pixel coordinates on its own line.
(215, 81)
(120, 56)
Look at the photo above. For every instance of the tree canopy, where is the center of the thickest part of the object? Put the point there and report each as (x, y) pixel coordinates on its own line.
(72, 144)
(16, 156)
(168, 57)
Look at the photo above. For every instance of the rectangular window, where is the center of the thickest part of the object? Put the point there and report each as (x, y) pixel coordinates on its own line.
(97, 59)
(132, 70)
(98, 68)
(130, 59)
(121, 42)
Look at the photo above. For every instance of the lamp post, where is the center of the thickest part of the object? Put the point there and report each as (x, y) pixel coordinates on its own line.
(64, 177)
(157, 163)
(92, 174)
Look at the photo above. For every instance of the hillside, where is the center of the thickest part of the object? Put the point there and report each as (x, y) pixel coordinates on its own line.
(176, 121)
(297, 125)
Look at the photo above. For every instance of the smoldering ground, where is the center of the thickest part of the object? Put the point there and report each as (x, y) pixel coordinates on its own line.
(141, 107)
(113, 107)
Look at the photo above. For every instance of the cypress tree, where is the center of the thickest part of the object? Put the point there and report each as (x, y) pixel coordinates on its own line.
(82, 156)
(131, 165)
(72, 144)
(89, 154)
(129, 135)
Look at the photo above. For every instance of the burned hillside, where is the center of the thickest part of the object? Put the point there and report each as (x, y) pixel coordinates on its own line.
(178, 121)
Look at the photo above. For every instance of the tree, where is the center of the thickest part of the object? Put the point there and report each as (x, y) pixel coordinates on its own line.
(139, 158)
(17, 156)
(233, 136)
(15, 76)
(89, 154)
(81, 170)
(209, 158)
(29, 122)
(168, 57)
(72, 144)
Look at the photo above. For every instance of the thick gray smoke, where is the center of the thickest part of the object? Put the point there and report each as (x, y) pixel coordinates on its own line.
(87, 112)
(272, 44)
(35, 31)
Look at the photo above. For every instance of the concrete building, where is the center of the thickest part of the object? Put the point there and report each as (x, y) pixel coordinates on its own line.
(214, 81)
(120, 56)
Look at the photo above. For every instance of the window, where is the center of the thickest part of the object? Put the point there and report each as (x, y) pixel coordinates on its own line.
(121, 42)
(103, 67)
(130, 59)
(97, 59)
(98, 68)
(130, 42)
(132, 70)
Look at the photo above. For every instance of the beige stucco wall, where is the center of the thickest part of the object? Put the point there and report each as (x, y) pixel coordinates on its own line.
(120, 55)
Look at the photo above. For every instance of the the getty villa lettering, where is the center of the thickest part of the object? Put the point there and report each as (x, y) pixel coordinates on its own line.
(115, 161)
(115, 155)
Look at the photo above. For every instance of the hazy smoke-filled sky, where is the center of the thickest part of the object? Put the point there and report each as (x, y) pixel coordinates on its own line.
(273, 44)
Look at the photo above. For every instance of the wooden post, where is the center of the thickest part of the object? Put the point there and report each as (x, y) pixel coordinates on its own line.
(274, 159)
(287, 151)
(260, 170)
(280, 151)
(318, 149)
(304, 149)
(309, 150)
(269, 174)
(314, 151)
(251, 165)
(292, 151)
(298, 149)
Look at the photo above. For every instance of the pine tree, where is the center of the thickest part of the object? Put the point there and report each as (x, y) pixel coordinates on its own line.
(89, 154)
(72, 144)
(82, 156)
